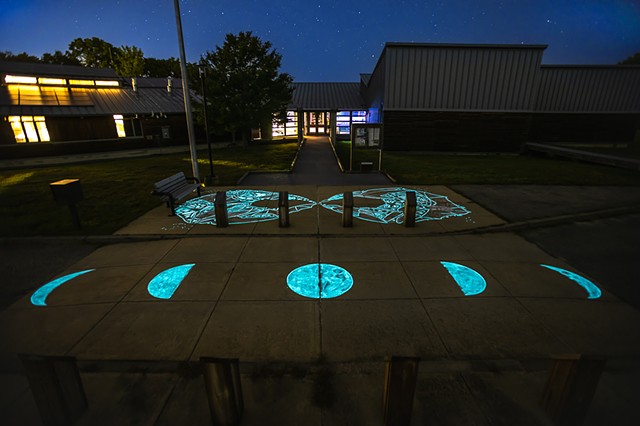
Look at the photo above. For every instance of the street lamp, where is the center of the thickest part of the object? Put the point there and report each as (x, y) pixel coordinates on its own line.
(185, 91)
(202, 71)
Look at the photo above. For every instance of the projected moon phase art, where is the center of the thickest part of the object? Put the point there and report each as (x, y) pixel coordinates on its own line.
(39, 297)
(163, 285)
(593, 290)
(469, 280)
(320, 281)
(391, 208)
(243, 206)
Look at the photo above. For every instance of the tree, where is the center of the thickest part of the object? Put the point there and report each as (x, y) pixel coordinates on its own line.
(129, 62)
(161, 67)
(631, 60)
(58, 58)
(20, 57)
(93, 52)
(244, 85)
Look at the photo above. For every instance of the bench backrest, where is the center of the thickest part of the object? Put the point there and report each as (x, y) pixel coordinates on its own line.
(171, 183)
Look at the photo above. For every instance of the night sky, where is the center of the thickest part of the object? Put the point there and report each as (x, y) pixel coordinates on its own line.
(329, 40)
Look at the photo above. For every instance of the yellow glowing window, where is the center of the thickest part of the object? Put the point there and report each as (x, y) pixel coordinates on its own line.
(18, 131)
(52, 81)
(27, 128)
(107, 83)
(30, 130)
(81, 82)
(20, 79)
(120, 125)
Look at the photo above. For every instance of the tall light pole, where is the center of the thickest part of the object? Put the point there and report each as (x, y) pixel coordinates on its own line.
(203, 76)
(185, 91)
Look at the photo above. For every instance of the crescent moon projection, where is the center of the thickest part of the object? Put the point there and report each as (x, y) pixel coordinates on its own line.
(39, 297)
(163, 285)
(469, 281)
(592, 289)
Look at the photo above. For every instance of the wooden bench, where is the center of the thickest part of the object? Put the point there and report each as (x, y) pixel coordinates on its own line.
(175, 188)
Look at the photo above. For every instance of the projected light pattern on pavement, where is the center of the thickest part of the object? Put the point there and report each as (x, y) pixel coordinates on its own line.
(39, 297)
(320, 281)
(469, 280)
(593, 290)
(243, 206)
(430, 206)
(163, 285)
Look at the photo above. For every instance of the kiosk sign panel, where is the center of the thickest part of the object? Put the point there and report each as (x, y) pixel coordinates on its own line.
(365, 137)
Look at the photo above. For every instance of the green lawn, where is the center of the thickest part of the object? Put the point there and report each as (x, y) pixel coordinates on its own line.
(117, 191)
(416, 168)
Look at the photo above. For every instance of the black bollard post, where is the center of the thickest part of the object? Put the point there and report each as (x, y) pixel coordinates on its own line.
(283, 209)
(400, 377)
(222, 218)
(572, 382)
(224, 390)
(56, 387)
(69, 192)
(410, 205)
(347, 209)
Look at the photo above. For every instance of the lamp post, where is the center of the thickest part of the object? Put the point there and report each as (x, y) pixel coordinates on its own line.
(185, 91)
(208, 180)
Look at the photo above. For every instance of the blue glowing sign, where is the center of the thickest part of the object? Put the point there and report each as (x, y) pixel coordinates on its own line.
(243, 206)
(39, 297)
(163, 285)
(469, 280)
(430, 206)
(592, 289)
(320, 281)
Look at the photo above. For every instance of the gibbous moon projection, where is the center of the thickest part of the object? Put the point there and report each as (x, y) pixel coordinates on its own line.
(320, 281)
(469, 281)
(592, 290)
(39, 297)
(163, 285)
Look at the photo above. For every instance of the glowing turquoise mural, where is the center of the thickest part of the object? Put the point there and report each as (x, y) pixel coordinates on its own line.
(320, 281)
(391, 210)
(39, 297)
(592, 290)
(243, 206)
(163, 285)
(469, 280)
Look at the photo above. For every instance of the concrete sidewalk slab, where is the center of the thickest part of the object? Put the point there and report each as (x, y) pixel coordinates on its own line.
(139, 253)
(273, 249)
(202, 250)
(432, 248)
(257, 281)
(262, 331)
(146, 331)
(373, 329)
(502, 247)
(356, 249)
(377, 280)
(489, 328)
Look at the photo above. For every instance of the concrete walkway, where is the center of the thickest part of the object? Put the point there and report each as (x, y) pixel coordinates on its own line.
(316, 165)
(485, 358)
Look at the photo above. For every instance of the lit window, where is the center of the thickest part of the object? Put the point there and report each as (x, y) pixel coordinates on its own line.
(52, 81)
(120, 125)
(289, 128)
(20, 79)
(27, 128)
(107, 83)
(81, 82)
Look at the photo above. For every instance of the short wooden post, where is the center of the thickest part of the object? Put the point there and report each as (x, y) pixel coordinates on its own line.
(56, 387)
(572, 382)
(224, 390)
(400, 377)
(410, 205)
(347, 209)
(283, 209)
(222, 218)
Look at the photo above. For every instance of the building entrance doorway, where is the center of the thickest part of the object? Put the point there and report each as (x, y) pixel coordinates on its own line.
(317, 123)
